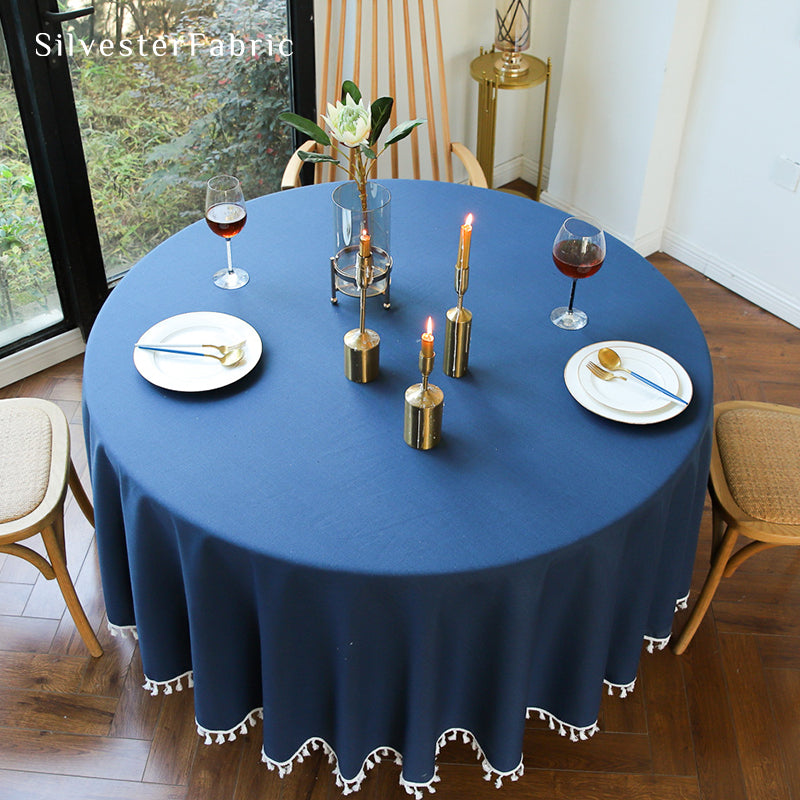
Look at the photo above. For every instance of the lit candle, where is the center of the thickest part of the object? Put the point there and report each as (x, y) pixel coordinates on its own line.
(464, 243)
(427, 340)
(364, 245)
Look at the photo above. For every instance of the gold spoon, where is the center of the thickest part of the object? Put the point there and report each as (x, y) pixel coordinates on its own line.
(230, 359)
(610, 360)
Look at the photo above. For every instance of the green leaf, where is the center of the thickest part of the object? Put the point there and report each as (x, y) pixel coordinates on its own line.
(306, 126)
(317, 158)
(349, 88)
(402, 130)
(368, 151)
(380, 111)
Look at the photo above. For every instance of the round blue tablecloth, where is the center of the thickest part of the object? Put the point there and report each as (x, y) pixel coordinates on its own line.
(279, 540)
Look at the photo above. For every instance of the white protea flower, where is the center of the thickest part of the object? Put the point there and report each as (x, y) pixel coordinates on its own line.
(350, 123)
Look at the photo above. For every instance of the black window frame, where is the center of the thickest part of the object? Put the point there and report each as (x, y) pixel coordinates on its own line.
(52, 133)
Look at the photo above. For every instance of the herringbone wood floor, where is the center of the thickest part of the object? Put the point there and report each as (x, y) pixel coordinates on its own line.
(721, 722)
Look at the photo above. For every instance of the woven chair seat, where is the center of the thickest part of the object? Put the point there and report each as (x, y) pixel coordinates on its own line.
(25, 445)
(760, 453)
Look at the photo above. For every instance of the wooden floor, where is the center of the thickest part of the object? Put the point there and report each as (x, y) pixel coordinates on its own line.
(721, 722)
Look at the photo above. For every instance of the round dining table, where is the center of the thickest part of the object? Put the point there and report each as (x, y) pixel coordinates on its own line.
(275, 543)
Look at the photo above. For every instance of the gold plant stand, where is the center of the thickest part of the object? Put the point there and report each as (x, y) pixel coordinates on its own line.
(490, 78)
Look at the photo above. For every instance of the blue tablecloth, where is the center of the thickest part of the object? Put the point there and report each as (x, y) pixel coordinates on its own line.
(279, 541)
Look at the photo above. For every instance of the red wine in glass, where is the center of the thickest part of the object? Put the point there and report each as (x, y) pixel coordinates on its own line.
(226, 215)
(579, 250)
(226, 219)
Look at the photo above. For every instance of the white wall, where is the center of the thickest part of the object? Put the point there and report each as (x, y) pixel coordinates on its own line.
(621, 111)
(728, 218)
(670, 122)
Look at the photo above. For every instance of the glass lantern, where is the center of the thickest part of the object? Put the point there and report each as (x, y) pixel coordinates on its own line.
(512, 35)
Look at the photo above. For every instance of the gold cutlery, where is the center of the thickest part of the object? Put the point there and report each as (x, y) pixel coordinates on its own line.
(229, 359)
(603, 374)
(611, 361)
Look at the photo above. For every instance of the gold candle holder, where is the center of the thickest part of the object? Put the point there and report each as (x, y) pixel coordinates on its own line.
(422, 425)
(458, 327)
(361, 345)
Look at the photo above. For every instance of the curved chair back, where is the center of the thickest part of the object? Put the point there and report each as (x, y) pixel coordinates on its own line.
(390, 48)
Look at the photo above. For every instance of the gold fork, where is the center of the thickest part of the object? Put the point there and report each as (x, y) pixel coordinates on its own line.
(603, 374)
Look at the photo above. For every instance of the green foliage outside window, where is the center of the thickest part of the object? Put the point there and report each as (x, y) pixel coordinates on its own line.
(154, 128)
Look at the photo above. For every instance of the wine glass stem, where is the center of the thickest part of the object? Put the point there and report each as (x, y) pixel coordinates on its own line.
(230, 262)
(571, 295)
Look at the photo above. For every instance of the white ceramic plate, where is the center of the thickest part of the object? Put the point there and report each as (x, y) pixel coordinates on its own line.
(183, 373)
(629, 401)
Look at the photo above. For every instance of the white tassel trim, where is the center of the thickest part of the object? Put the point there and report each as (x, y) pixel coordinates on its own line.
(350, 785)
(624, 688)
(682, 604)
(654, 644)
(167, 687)
(574, 732)
(123, 630)
(211, 736)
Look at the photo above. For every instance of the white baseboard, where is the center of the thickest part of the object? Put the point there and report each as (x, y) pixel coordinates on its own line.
(40, 356)
(507, 171)
(518, 167)
(733, 277)
(576, 211)
(644, 245)
(649, 243)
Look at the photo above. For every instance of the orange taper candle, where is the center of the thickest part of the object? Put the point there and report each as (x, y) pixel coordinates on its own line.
(427, 340)
(364, 245)
(464, 242)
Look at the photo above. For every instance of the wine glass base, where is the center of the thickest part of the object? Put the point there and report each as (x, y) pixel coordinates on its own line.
(568, 320)
(226, 279)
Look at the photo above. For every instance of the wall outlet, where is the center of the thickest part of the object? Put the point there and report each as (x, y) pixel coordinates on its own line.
(786, 173)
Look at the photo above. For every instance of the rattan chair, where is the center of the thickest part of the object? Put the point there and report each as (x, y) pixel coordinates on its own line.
(35, 468)
(754, 484)
(386, 47)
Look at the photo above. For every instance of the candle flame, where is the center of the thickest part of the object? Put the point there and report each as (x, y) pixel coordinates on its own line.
(429, 327)
(364, 234)
(468, 220)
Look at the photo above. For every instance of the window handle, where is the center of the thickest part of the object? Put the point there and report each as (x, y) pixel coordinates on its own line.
(64, 16)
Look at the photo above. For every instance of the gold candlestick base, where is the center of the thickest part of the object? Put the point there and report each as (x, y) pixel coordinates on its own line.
(456, 342)
(361, 355)
(422, 427)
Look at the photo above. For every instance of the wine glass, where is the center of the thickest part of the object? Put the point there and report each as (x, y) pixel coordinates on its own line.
(579, 250)
(226, 214)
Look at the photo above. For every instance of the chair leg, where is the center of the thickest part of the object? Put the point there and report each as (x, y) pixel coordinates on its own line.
(717, 528)
(745, 553)
(31, 556)
(53, 538)
(718, 564)
(79, 494)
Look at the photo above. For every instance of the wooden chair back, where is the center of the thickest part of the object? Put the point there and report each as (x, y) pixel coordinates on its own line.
(392, 48)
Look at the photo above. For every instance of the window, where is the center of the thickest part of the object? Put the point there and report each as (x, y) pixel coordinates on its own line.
(128, 111)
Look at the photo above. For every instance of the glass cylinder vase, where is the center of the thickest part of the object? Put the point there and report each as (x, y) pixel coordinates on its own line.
(349, 220)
